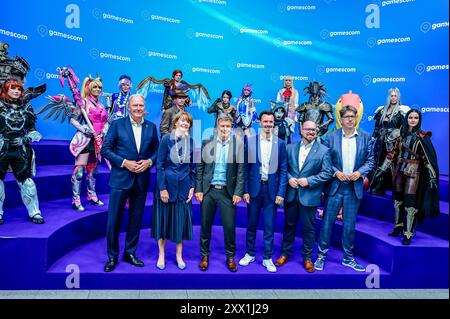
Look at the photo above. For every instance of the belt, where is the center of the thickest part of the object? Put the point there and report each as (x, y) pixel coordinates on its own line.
(402, 160)
(218, 186)
(264, 182)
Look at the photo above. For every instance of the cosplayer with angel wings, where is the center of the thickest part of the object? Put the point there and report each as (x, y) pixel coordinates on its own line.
(91, 120)
(200, 96)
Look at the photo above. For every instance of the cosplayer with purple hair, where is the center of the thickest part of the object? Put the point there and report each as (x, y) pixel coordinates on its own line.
(119, 101)
(246, 111)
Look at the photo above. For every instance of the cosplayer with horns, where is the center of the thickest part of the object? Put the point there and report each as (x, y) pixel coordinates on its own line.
(388, 118)
(316, 109)
(119, 101)
(283, 126)
(412, 160)
(289, 96)
(246, 111)
(176, 84)
(91, 120)
(17, 131)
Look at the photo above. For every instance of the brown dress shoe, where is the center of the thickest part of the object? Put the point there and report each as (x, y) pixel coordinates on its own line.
(231, 264)
(309, 266)
(204, 263)
(282, 260)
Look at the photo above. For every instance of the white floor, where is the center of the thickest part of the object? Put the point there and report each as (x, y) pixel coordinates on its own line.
(228, 294)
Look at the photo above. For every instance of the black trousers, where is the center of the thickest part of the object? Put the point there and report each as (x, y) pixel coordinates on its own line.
(20, 160)
(221, 198)
(307, 214)
(117, 200)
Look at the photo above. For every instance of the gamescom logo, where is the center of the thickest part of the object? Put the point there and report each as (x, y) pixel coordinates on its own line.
(95, 54)
(99, 14)
(43, 31)
(421, 68)
(146, 15)
(13, 34)
(325, 33)
(40, 74)
(320, 69)
(276, 77)
(218, 2)
(279, 42)
(427, 26)
(282, 7)
(191, 34)
(367, 79)
(253, 31)
(390, 2)
(205, 70)
(143, 52)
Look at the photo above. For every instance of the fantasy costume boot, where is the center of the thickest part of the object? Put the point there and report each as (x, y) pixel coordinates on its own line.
(77, 176)
(2, 200)
(408, 233)
(398, 219)
(92, 195)
(28, 192)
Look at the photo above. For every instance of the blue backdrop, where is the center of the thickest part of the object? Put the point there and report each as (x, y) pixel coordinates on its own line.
(363, 46)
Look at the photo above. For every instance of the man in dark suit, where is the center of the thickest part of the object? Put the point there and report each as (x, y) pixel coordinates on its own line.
(309, 168)
(265, 187)
(352, 159)
(131, 146)
(220, 182)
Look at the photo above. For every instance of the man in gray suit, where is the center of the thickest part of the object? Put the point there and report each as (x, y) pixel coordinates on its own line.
(220, 182)
(309, 168)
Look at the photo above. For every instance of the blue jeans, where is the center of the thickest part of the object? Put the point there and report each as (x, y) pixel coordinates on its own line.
(270, 210)
(345, 197)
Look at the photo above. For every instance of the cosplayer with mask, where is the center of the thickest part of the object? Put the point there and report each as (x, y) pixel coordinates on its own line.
(388, 118)
(246, 111)
(90, 118)
(316, 109)
(17, 131)
(119, 101)
(412, 159)
(171, 86)
(283, 126)
(222, 105)
(289, 96)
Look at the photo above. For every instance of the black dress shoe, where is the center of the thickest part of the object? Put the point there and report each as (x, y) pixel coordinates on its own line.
(133, 260)
(110, 265)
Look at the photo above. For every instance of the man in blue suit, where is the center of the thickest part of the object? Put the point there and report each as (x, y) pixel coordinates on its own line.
(352, 160)
(309, 168)
(131, 146)
(265, 186)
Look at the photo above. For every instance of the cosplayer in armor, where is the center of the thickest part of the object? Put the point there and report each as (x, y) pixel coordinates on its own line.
(90, 118)
(289, 96)
(246, 111)
(119, 101)
(411, 157)
(283, 126)
(173, 85)
(316, 109)
(387, 118)
(222, 105)
(17, 131)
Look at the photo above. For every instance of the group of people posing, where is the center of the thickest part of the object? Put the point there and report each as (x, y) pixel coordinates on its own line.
(264, 169)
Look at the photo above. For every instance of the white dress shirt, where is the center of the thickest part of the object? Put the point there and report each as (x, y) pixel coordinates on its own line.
(304, 151)
(137, 132)
(266, 150)
(348, 152)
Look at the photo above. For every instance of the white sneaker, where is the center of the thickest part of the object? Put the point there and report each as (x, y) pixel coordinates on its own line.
(268, 263)
(246, 260)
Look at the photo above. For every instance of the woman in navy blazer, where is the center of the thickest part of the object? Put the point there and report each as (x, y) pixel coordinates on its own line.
(175, 168)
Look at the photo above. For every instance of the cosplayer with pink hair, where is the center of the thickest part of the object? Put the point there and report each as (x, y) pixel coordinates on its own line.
(90, 118)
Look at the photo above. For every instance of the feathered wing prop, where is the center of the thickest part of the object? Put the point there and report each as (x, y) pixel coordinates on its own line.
(200, 96)
(59, 106)
(149, 83)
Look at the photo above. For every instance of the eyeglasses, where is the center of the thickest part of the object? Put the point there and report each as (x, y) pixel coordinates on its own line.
(309, 129)
(349, 117)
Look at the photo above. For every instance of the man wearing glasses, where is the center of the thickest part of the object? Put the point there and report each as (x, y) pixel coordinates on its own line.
(352, 159)
(309, 168)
